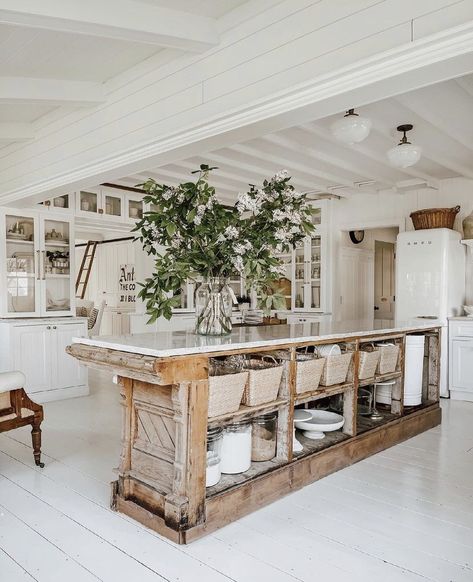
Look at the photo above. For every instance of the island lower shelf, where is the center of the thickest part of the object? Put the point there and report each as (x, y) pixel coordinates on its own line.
(162, 470)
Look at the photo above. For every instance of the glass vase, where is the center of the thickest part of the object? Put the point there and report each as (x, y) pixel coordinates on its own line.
(213, 308)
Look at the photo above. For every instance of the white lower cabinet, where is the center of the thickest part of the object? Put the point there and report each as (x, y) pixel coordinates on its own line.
(460, 364)
(38, 349)
(32, 355)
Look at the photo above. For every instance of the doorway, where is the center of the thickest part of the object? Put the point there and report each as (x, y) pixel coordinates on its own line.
(367, 276)
(384, 280)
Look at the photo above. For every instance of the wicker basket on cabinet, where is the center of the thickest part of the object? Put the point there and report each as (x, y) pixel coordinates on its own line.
(264, 379)
(225, 393)
(389, 355)
(308, 372)
(434, 218)
(336, 369)
(368, 363)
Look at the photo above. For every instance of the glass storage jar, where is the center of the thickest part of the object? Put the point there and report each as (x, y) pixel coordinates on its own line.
(263, 434)
(214, 448)
(236, 448)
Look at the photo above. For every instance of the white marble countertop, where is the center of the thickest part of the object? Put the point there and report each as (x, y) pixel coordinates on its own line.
(41, 320)
(178, 343)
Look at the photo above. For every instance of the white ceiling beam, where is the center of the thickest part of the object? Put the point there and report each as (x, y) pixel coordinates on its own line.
(50, 91)
(416, 103)
(302, 150)
(118, 19)
(298, 143)
(173, 178)
(256, 173)
(363, 150)
(16, 132)
(329, 180)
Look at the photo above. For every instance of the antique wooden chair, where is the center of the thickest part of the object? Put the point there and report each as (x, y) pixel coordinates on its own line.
(16, 410)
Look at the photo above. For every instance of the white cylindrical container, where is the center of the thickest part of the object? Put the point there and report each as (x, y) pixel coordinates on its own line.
(236, 448)
(384, 392)
(413, 370)
(214, 446)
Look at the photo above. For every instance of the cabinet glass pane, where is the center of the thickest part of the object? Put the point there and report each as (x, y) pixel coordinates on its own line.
(113, 206)
(88, 201)
(61, 201)
(285, 282)
(56, 265)
(315, 271)
(186, 293)
(135, 209)
(20, 264)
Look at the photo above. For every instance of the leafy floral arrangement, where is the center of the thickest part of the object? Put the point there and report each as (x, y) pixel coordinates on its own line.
(193, 236)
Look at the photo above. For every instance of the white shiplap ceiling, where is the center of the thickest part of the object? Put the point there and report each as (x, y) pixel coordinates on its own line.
(35, 44)
(443, 126)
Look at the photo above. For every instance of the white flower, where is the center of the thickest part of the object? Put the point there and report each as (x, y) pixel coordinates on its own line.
(197, 219)
(238, 264)
(278, 270)
(155, 232)
(241, 248)
(279, 215)
(281, 235)
(231, 232)
(295, 230)
(247, 202)
(177, 241)
(280, 176)
(201, 209)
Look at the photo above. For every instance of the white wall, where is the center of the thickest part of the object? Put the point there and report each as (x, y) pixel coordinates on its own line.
(371, 235)
(174, 105)
(365, 211)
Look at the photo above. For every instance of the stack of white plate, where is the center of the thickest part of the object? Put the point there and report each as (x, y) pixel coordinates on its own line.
(254, 316)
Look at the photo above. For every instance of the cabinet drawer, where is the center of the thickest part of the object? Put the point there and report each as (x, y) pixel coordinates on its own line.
(461, 328)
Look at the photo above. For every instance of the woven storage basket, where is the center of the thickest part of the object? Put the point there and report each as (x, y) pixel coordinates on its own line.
(434, 217)
(225, 393)
(263, 382)
(336, 369)
(388, 359)
(368, 364)
(309, 372)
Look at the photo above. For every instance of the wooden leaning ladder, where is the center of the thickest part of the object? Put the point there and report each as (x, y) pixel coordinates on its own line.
(85, 269)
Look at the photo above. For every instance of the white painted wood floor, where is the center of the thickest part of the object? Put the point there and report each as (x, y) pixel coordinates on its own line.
(403, 515)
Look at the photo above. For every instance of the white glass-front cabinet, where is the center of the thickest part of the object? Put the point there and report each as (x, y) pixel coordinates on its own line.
(36, 264)
(101, 202)
(307, 274)
(110, 204)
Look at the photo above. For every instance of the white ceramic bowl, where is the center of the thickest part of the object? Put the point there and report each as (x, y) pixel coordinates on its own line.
(322, 421)
(328, 350)
(468, 310)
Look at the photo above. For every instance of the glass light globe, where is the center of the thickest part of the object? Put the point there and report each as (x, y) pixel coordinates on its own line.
(352, 128)
(404, 155)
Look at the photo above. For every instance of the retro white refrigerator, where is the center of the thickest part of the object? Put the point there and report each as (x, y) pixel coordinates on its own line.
(430, 282)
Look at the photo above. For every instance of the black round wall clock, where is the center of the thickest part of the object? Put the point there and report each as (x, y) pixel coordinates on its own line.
(357, 236)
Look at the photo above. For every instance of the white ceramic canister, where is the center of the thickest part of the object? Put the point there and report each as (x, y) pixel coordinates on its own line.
(236, 448)
(214, 448)
(413, 370)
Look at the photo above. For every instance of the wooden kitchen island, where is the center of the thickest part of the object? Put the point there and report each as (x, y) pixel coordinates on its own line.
(164, 389)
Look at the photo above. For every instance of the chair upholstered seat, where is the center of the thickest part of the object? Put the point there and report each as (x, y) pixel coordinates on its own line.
(11, 381)
(17, 409)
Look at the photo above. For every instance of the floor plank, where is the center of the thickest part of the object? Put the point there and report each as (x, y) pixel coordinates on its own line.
(404, 515)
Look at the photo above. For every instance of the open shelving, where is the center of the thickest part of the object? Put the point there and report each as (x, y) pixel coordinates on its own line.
(355, 423)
